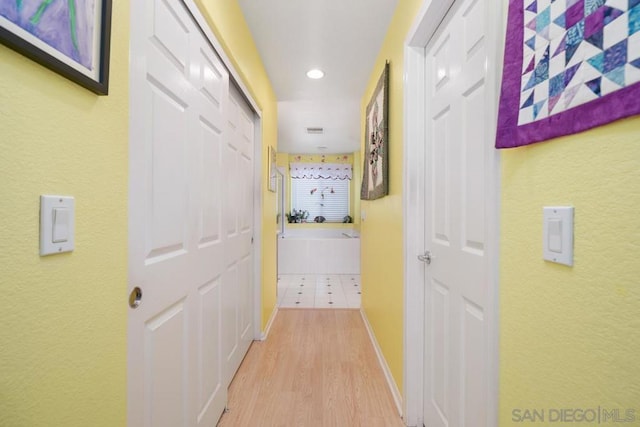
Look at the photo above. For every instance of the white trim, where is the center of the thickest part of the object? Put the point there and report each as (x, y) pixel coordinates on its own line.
(497, 30)
(413, 212)
(393, 387)
(426, 23)
(264, 335)
(206, 29)
(258, 195)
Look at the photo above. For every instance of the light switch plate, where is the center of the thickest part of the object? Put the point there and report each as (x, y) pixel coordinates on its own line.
(557, 236)
(57, 224)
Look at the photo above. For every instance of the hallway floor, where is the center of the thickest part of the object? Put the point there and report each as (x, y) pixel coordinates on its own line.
(319, 291)
(317, 368)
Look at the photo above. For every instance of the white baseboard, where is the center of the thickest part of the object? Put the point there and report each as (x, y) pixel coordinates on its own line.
(393, 387)
(265, 333)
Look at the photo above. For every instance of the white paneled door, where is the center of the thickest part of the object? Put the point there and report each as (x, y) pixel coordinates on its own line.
(237, 181)
(460, 163)
(190, 227)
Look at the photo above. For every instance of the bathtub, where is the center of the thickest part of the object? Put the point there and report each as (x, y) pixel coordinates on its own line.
(319, 251)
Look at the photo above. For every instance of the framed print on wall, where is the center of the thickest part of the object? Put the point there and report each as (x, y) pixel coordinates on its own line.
(69, 37)
(273, 174)
(375, 179)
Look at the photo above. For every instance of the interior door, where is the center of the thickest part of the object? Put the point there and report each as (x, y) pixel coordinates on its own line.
(237, 181)
(188, 248)
(459, 162)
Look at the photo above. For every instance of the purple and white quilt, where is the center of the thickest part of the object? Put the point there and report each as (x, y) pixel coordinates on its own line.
(570, 65)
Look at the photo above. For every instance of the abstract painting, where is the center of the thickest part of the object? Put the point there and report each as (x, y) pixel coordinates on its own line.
(570, 65)
(70, 37)
(375, 177)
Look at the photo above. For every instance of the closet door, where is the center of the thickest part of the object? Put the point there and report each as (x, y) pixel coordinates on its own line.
(190, 222)
(238, 229)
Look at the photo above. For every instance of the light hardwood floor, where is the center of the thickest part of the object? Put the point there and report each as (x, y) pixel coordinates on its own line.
(317, 368)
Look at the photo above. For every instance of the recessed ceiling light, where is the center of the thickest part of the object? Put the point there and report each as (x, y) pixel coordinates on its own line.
(315, 74)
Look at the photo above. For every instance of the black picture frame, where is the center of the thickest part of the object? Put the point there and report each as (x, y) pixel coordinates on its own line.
(95, 79)
(375, 171)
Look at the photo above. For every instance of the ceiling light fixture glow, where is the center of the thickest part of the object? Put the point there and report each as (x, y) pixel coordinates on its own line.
(315, 74)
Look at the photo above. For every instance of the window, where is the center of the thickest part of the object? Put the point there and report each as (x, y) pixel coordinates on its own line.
(321, 197)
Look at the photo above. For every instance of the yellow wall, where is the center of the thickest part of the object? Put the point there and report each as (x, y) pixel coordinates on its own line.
(231, 30)
(569, 336)
(381, 231)
(63, 317)
(63, 334)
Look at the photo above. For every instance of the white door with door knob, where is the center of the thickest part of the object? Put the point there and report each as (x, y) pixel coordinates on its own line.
(190, 226)
(452, 189)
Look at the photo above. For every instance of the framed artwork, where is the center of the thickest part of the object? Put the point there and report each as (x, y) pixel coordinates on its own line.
(273, 172)
(375, 176)
(69, 37)
(569, 66)
(280, 201)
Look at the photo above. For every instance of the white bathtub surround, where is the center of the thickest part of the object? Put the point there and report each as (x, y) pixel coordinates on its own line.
(319, 251)
(319, 291)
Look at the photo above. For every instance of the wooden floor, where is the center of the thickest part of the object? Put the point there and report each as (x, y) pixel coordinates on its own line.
(317, 368)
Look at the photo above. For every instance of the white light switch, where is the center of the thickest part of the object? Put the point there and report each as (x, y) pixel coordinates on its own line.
(60, 225)
(555, 235)
(57, 217)
(558, 234)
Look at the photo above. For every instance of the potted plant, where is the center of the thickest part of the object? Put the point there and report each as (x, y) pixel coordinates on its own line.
(297, 216)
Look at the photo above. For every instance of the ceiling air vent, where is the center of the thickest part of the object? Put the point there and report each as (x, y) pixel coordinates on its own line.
(315, 131)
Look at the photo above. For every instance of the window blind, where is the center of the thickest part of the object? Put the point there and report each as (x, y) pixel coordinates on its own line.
(321, 197)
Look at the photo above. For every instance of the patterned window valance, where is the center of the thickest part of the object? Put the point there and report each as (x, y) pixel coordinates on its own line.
(321, 170)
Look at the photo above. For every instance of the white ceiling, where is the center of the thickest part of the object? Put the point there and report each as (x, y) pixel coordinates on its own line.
(342, 38)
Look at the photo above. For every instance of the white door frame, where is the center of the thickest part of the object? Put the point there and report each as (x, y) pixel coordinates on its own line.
(257, 162)
(425, 25)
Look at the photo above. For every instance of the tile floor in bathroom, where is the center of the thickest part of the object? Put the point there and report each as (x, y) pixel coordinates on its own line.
(319, 291)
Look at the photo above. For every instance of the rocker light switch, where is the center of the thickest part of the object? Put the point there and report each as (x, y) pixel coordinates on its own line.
(558, 234)
(60, 225)
(555, 235)
(57, 218)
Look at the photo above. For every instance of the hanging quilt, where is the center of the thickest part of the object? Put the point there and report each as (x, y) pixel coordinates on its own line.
(570, 65)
